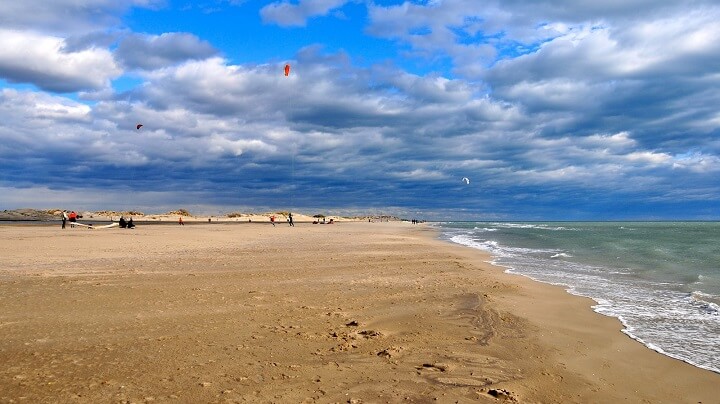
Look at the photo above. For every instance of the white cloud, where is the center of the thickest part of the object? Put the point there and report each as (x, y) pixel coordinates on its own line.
(615, 38)
(287, 14)
(648, 157)
(32, 112)
(37, 59)
(221, 145)
(420, 174)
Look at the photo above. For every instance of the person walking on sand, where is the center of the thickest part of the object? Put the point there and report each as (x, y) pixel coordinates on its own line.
(64, 218)
(181, 222)
(272, 220)
(290, 221)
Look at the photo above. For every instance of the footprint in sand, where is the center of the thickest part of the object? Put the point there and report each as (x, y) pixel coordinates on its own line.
(390, 352)
(502, 394)
(440, 367)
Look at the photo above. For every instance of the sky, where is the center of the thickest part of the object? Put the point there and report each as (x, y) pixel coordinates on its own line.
(553, 110)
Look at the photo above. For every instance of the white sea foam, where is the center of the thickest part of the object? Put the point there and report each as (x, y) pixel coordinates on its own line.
(708, 302)
(496, 248)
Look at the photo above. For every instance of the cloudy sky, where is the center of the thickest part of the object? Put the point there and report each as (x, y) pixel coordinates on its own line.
(553, 109)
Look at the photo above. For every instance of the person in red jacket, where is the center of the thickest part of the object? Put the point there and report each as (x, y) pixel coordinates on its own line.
(72, 217)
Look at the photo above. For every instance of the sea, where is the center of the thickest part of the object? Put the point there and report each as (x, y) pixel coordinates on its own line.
(660, 279)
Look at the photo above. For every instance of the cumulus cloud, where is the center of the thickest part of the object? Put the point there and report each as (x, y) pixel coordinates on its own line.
(64, 45)
(149, 52)
(41, 60)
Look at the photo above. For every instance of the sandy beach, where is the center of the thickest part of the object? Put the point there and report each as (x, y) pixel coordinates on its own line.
(352, 312)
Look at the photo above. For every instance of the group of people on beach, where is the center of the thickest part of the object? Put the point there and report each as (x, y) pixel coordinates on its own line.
(289, 219)
(71, 217)
(126, 224)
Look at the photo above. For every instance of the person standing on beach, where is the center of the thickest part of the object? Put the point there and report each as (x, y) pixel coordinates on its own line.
(272, 220)
(290, 219)
(64, 218)
(180, 221)
(73, 218)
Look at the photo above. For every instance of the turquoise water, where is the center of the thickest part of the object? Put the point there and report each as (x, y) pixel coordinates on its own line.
(661, 279)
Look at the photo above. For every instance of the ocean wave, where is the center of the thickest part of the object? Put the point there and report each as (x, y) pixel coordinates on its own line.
(532, 226)
(486, 245)
(498, 249)
(484, 229)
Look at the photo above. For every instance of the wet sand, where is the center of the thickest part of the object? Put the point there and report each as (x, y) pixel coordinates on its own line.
(350, 312)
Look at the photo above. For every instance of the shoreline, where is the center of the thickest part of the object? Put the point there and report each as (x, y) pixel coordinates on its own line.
(355, 311)
(569, 291)
(535, 265)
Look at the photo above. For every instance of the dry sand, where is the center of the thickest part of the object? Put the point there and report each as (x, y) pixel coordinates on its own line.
(352, 312)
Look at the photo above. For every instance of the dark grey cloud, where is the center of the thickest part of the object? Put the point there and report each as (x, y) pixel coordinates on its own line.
(405, 131)
(96, 39)
(149, 52)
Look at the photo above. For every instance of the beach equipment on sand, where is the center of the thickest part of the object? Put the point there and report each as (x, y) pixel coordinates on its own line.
(89, 226)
